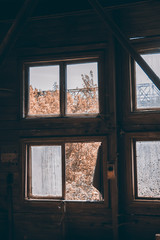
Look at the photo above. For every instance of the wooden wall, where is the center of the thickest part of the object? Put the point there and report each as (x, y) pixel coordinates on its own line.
(65, 34)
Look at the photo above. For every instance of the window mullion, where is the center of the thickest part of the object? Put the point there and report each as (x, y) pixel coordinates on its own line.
(62, 89)
(134, 167)
(29, 172)
(63, 171)
(26, 92)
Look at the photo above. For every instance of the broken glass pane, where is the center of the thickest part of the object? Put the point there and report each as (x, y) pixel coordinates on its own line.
(148, 168)
(80, 165)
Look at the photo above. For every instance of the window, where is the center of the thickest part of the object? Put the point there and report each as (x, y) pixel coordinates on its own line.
(62, 169)
(45, 171)
(142, 169)
(139, 139)
(147, 169)
(147, 94)
(44, 95)
(64, 99)
(61, 88)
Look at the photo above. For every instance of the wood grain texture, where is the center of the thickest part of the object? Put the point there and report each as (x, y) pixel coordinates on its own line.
(56, 36)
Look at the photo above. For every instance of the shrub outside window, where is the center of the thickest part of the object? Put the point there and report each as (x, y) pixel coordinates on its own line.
(61, 169)
(62, 88)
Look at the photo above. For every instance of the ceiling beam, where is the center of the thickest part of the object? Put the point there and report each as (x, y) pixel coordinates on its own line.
(15, 29)
(112, 26)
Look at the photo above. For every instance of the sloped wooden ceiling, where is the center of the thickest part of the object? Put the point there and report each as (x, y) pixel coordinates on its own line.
(9, 8)
(135, 17)
(75, 19)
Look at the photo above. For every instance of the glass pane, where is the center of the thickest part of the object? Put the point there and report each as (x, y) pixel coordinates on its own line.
(46, 171)
(82, 88)
(80, 166)
(44, 90)
(148, 95)
(148, 168)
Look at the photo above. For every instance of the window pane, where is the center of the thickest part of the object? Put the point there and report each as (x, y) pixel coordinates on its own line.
(46, 171)
(44, 90)
(148, 168)
(82, 88)
(148, 95)
(80, 165)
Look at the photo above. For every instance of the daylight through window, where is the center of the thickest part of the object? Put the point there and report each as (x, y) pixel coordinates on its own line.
(46, 167)
(147, 94)
(61, 89)
(147, 167)
(62, 171)
(44, 95)
(82, 89)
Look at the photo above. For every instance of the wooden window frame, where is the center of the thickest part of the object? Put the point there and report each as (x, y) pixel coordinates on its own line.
(133, 118)
(72, 127)
(133, 80)
(62, 61)
(25, 143)
(28, 194)
(138, 125)
(133, 203)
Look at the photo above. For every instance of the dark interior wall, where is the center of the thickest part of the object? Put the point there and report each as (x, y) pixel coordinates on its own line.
(65, 35)
(44, 37)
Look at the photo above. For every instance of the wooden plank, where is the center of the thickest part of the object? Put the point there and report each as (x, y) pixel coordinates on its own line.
(113, 141)
(110, 24)
(142, 22)
(10, 207)
(17, 26)
(62, 90)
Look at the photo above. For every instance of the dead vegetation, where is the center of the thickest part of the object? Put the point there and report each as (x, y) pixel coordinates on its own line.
(80, 157)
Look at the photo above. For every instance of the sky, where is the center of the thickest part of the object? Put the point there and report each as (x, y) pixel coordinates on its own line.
(153, 61)
(44, 77)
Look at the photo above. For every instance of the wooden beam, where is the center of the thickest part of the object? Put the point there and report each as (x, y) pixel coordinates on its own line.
(15, 29)
(110, 24)
(113, 142)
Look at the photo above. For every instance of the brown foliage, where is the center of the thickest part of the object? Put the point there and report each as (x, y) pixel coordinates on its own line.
(79, 101)
(80, 157)
(43, 102)
(80, 164)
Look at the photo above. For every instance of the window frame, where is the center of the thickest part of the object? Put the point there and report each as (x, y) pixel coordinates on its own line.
(28, 175)
(133, 82)
(133, 203)
(138, 125)
(130, 119)
(72, 127)
(58, 141)
(62, 61)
